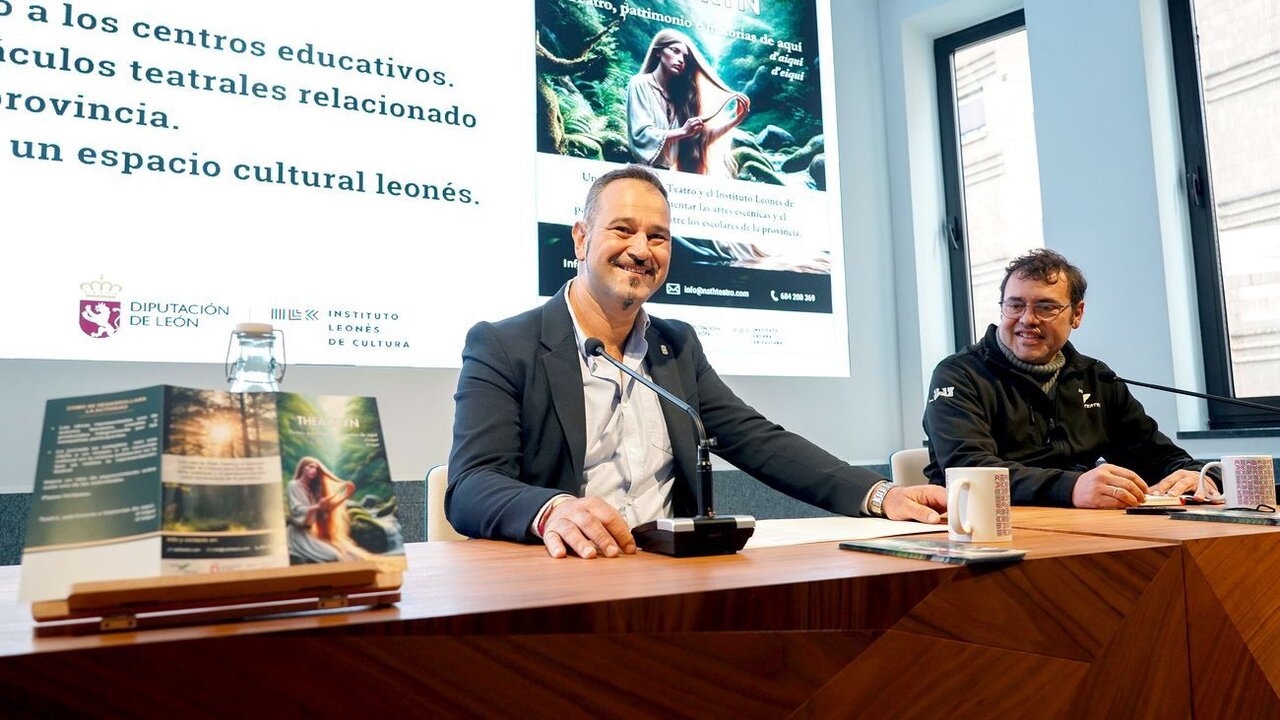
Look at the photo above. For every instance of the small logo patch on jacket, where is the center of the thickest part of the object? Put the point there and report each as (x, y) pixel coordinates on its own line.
(945, 392)
(1084, 399)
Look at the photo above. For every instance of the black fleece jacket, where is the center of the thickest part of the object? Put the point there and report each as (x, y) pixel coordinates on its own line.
(982, 411)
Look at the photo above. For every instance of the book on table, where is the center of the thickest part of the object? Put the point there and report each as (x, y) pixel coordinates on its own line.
(176, 481)
(1232, 515)
(943, 551)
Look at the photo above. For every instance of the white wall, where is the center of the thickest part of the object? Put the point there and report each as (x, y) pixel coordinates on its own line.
(923, 294)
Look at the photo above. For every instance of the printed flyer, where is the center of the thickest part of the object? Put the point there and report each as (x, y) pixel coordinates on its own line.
(172, 481)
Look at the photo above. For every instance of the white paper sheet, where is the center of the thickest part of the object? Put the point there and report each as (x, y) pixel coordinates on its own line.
(800, 531)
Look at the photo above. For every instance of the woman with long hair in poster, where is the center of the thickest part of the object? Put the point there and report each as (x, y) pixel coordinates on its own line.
(673, 106)
(319, 530)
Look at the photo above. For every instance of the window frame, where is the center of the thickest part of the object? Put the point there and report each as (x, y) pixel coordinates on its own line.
(1197, 184)
(954, 228)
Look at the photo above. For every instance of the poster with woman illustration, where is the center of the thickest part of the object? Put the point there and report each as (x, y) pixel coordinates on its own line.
(729, 90)
(731, 104)
(339, 501)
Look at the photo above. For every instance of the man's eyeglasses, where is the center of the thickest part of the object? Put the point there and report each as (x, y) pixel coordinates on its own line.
(1014, 309)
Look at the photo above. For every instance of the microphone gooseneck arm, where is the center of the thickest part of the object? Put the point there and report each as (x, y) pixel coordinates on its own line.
(1111, 377)
(703, 488)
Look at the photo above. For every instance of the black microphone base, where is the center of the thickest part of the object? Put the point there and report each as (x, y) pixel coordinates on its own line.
(695, 537)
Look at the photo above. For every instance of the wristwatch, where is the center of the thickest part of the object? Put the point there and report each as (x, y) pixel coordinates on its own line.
(876, 505)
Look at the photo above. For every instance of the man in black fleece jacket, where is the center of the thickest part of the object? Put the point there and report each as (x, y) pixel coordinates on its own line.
(1023, 398)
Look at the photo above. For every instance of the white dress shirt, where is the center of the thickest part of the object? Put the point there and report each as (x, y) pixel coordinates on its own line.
(628, 462)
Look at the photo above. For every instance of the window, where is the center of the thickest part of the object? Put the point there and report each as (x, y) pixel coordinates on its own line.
(1227, 62)
(990, 170)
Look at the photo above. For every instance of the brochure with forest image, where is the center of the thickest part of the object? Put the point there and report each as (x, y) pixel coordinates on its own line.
(943, 551)
(172, 481)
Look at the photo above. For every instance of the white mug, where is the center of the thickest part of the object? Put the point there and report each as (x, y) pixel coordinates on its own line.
(1247, 480)
(978, 504)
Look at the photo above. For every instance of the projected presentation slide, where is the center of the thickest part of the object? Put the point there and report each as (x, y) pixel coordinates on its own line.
(373, 178)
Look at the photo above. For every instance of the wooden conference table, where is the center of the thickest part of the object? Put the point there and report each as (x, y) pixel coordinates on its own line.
(1231, 576)
(1085, 626)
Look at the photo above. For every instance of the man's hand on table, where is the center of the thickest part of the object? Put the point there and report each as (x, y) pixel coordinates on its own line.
(1109, 486)
(1185, 481)
(587, 527)
(922, 503)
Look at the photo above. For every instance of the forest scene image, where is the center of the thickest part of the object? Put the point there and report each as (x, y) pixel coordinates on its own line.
(220, 424)
(335, 468)
(691, 87)
(220, 508)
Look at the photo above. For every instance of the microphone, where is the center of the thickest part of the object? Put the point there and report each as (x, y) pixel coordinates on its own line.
(704, 534)
(1108, 376)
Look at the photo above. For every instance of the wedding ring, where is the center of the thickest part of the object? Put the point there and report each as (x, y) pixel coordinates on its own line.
(1115, 491)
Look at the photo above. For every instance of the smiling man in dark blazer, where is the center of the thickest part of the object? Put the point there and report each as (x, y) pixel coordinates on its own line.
(552, 444)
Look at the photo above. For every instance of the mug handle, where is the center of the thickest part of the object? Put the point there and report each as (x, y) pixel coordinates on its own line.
(954, 523)
(1200, 486)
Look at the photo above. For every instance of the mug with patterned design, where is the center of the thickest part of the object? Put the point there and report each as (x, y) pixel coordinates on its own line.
(978, 504)
(1247, 480)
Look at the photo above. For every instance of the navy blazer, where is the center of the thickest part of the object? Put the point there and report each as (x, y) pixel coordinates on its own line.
(519, 428)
